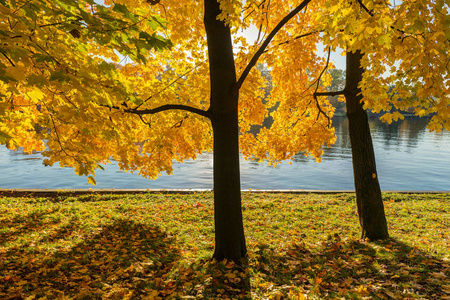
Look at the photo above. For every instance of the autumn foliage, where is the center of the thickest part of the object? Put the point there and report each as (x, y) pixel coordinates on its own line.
(62, 74)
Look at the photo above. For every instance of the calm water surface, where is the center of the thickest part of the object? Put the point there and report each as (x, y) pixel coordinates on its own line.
(409, 157)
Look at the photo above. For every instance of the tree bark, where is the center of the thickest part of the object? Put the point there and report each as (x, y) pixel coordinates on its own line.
(368, 193)
(229, 229)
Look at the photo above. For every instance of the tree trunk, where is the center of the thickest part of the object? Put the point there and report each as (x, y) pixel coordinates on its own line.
(368, 193)
(229, 229)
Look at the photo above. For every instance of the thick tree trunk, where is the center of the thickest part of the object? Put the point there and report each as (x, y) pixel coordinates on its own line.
(229, 229)
(368, 193)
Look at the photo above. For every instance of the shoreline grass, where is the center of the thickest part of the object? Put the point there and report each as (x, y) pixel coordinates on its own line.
(157, 246)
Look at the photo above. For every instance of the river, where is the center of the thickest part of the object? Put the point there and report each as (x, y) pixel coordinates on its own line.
(409, 157)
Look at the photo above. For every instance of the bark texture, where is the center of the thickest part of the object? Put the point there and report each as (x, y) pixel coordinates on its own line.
(229, 229)
(368, 193)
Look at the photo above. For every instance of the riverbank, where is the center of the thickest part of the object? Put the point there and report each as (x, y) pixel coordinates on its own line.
(78, 192)
(150, 245)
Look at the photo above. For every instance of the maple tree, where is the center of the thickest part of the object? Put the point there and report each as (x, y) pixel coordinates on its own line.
(53, 72)
(405, 46)
(155, 108)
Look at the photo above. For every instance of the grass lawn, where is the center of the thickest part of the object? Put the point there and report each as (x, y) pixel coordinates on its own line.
(157, 246)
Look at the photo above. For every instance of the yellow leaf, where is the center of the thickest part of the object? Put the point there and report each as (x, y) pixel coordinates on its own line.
(91, 180)
(384, 40)
(439, 275)
(36, 95)
(446, 289)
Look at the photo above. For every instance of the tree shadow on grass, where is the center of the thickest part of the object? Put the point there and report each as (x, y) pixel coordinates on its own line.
(122, 260)
(351, 269)
(24, 224)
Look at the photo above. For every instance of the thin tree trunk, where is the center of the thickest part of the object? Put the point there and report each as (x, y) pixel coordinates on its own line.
(229, 229)
(368, 193)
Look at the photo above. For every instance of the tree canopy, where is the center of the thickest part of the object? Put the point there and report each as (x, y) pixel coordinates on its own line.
(406, 46)
(61, 70)
(63, 73)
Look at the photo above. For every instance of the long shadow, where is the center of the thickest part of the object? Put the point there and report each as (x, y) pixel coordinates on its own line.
(37, 221)
(354, 270)
(123, 260)
(24, 224)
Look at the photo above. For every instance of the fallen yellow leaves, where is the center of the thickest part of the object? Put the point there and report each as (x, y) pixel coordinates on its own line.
(79, 252)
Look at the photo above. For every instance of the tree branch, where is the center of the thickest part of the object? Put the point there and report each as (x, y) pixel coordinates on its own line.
(329, 93)
(10, 61)
(365, 8)
(295, 38)
(372, 14)
(201, 112)
(267, 41)
(60, 23)
(317, 87)
(170, 84)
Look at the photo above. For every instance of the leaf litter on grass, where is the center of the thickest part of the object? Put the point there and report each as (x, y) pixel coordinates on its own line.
(157, 246)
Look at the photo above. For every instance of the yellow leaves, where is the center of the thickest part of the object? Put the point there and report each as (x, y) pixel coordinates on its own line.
(446, 288)
(439, 275)
(18, 73)
(362, 290)
(297, 295)
(91, 180)
(384, 40)
(389, 117)
(36, 95)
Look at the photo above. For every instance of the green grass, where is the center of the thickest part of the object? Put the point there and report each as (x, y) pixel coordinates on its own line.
(157, 246)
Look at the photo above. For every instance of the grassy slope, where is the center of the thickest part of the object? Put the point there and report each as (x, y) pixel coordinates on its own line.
(157, 246)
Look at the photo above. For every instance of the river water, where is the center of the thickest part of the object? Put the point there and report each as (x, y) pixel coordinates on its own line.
(409, 157)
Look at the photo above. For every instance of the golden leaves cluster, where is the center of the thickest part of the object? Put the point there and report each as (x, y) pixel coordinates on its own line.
(406, 53)
(62, 73)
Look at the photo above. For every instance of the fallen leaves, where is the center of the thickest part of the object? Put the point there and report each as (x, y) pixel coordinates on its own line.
(113, 247)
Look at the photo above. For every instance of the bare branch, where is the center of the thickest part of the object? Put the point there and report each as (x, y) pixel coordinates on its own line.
(295, 38)
(58, 138)
(145, 122)
(60, 23)
(162, 108)
(317, 87)
(329, 93)
(179, 123)
(20, 7)
(365, 8)
(267, 41)
(10, 61)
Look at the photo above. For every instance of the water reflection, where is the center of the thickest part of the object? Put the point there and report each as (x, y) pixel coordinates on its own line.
(409, 157)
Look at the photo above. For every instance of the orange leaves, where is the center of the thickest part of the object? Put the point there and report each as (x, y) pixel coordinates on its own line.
(388, 117)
